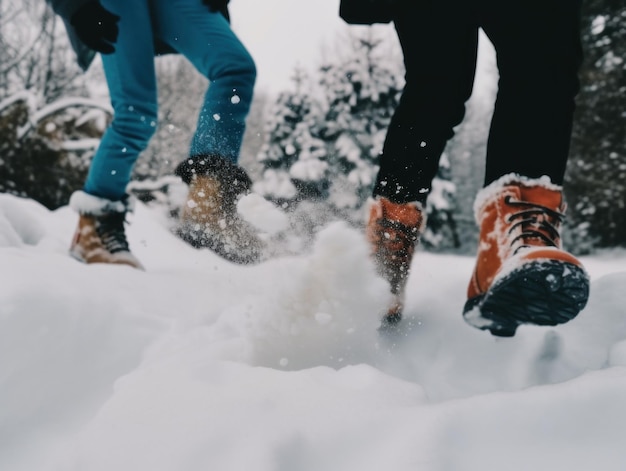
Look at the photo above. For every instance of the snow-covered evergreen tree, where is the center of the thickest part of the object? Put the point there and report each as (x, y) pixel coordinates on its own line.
(441, 228)
(324, 144)
(361, 93)
(595, 185)
(294, 157)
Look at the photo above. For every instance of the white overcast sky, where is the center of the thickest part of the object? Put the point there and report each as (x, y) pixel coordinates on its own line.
(283, 34)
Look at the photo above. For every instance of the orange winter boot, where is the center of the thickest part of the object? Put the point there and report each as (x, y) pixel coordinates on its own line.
(393, 231)
(522, 276)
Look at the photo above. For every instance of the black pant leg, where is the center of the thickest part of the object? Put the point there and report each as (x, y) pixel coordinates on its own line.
(439, 42)
(538, 49)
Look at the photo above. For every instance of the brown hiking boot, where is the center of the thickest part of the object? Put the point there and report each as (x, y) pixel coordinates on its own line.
(209, 219)
(100, 237)
(522, 276)
(393, 231)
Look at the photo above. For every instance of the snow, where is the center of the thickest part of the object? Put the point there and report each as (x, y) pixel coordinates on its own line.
(199, 364)
(262, 214)
(61, 104)
(94, 205)
(491, 191)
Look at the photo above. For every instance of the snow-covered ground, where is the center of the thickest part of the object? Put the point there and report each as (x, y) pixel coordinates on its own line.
(198, 364)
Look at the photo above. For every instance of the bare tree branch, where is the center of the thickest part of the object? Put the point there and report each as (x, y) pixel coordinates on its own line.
(59, 105)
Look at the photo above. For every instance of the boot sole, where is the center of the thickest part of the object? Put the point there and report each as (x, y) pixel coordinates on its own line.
(390, 322)
(200, 240)
(541, 293)
(126, 262)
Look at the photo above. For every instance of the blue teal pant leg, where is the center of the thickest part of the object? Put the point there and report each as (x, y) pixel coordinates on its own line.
(130, 76)
(208, 42)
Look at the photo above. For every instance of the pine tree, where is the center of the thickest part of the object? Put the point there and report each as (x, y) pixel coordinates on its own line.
(324, 145)
(361, 93)
(294, 158)
(596, 178)
(441, 230)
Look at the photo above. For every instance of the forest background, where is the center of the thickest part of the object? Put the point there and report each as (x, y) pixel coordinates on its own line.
(312, 146)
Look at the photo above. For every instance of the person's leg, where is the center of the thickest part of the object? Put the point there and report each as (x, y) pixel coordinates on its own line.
(522, 275)
(132, 86)
(439, 43)
(103, 203)
(538, 49)
(216, 182)
(209, 43)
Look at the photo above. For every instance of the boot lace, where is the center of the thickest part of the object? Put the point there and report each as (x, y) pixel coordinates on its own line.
(110, 229)
(534, 222)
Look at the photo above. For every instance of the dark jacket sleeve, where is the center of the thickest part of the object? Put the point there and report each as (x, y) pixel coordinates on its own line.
(65, 9)
(225, 13)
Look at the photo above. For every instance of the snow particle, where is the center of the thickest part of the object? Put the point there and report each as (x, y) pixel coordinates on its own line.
(217, 117)
(235, 99)
(598, 25)
(323, 318)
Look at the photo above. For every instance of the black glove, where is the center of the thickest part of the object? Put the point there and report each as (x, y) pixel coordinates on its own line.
(219, 6)
(96, 26)
(216, 5)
